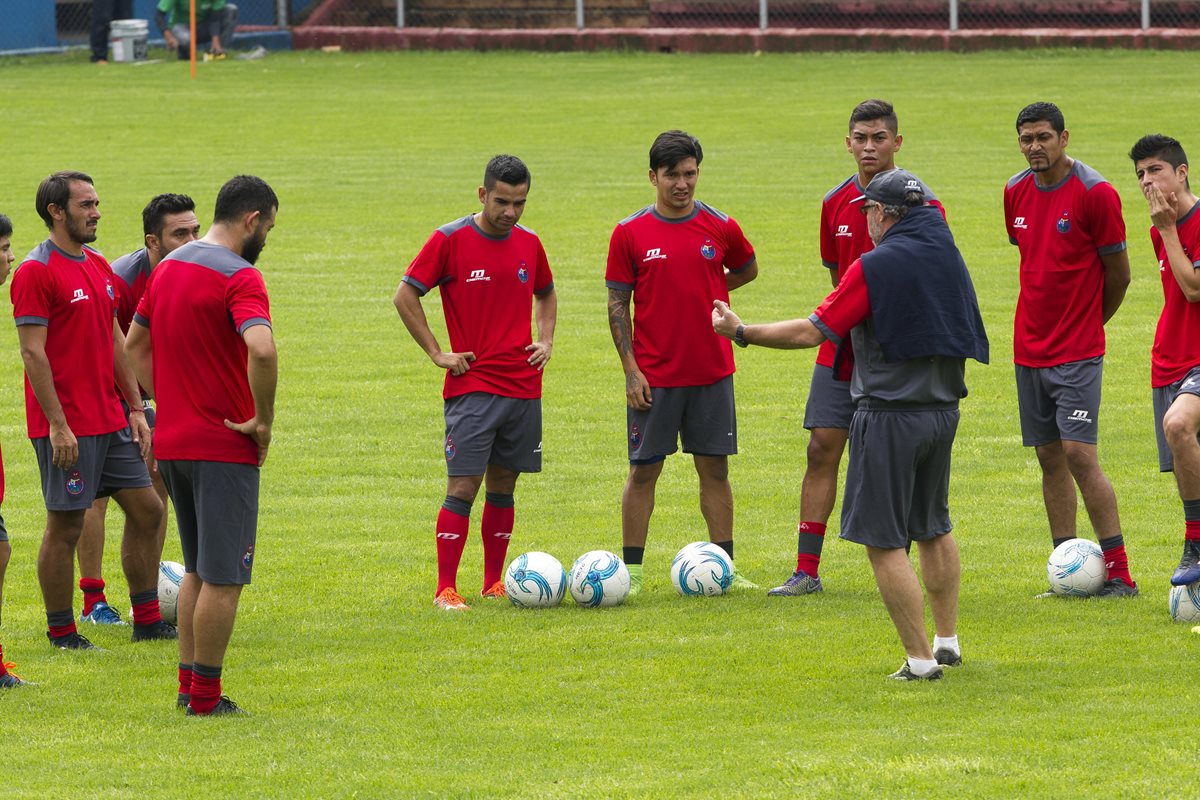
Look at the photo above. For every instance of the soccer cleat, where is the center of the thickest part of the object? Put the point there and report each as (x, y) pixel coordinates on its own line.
(635, 579)
(182, 700)
(103, 614)
(154, 631)
(1115, 587)
(72, 641)
(450, 600)
(10, 679)
(800, 583)
(223, 706)
(1048, 593)
(495, 592)
(905, 673)
(741, 583)
(1188, 570)
(947, 657)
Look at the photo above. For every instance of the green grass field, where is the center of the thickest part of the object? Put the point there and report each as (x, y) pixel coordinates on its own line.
(358, 688)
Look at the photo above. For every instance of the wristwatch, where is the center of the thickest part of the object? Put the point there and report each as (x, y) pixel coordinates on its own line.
(739, 337)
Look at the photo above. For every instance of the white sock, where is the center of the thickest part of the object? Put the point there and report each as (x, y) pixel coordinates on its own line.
(950, 642)
(921, 666)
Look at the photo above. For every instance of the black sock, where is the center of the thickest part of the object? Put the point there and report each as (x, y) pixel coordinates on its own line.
(1062, 539)
(633, 555)
(727, 547)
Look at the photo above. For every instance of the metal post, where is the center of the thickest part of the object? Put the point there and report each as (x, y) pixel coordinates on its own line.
(281, 13)
(762, 14)
(399, 13)
(1145, 14)
(579, 14)
(953, 15)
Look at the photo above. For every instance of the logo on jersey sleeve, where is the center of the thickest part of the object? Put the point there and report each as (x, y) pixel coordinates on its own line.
(708, 250)
(522, 273)
(653, 253)
(1064, 223)
(450, 450)
(74, 483)
(843, 230)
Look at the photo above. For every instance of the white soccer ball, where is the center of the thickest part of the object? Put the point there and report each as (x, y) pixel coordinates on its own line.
(1184, 602)
(598, 578)
(702, 568)
(535, 580)
(1076, 568)
(170, 575)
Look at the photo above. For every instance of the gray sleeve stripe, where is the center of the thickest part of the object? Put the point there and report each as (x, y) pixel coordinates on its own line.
(1110, 249)
(547, 289)
(829, 264)
(140, 320)
(250, 323)
(753, 258)
(823, 328)
(44, 321)
(1012, 240)
(421, 288)
(620, 287)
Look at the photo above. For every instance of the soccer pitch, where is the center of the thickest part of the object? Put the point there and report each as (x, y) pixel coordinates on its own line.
(358, 687)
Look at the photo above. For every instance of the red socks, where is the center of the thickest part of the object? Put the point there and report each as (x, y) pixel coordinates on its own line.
(810, 536)
(498, 515)
(93, 592)
(145, 607)
(1116, 560)
(185, 679)
(451, 539)
(206, 688)
(1191, 530)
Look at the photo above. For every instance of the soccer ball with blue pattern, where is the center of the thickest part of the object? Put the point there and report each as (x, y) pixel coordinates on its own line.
(1184, 602)
(1076, 568)
(599, 579)
(170, 575)
(535, 580)
(701, 568)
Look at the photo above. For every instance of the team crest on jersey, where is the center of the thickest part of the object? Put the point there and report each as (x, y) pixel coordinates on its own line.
(111, 294)
(708, 250)
(450, 451)
(1064, 223)
(248, 557)
(635, 436)
(74, 483)
(522, 273)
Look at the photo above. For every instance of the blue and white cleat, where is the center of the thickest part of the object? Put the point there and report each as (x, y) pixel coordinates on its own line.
(800, 583)
(1188, 570)
(103, 614)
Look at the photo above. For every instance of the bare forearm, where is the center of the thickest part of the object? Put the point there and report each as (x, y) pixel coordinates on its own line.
(545, 315)
(1116, 281)
(41, 380)
(262, 371)
(792, 334)
(621, 326)
(408, 305)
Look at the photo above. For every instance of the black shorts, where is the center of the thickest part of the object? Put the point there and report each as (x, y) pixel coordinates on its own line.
(898, 478)
(107, 464)
(703, 417)
(216, 510)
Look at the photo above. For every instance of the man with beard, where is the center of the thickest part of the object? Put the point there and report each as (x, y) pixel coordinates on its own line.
(203, 330)
(86, 445)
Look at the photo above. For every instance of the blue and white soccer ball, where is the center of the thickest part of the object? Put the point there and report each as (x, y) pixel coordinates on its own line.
(1184, 602)
(535, 580)
(1076, 568)
(599, 579)
(702, 568)
(170, 575)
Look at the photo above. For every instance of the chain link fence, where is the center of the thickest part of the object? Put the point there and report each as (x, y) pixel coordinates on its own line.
(73, 18)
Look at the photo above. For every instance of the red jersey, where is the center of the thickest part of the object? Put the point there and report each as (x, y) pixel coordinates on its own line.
(1062, 231)
(487, 285)
(132, 272)
(1176, 348)
(74, 299)
(844, 237)
(675, 269)
(198, 303)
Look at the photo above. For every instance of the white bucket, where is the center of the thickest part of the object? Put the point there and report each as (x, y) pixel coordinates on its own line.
(129, 38)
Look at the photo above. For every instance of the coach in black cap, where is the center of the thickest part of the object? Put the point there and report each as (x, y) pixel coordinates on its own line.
(910, 311)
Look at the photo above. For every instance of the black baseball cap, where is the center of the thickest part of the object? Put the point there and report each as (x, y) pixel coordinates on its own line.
(889, 188)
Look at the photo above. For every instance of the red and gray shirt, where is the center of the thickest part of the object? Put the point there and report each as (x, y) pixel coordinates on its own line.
(675, 269)
(1062, 231)
(73, 297)
(1176, 349)
(487, 285)
(198, 303)
(132, 272)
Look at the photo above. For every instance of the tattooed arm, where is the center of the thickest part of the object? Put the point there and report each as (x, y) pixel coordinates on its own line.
(637, 390)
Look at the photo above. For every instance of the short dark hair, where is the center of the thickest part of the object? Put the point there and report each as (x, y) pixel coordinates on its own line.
(5, 226)
(1161, 146)
(869, 110)
(671, 147)
(154, 215)
(505, 169)
(241, 195)
(1042, 112)
(56, 189)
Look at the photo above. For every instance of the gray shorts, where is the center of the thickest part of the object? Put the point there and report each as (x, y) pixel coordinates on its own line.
(216, 510)
(1061, 402)
(483, 428)
(147, 409)
(1164, 396)
(107, 464)
(898, 479)
(702, 416)
(829, 404)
